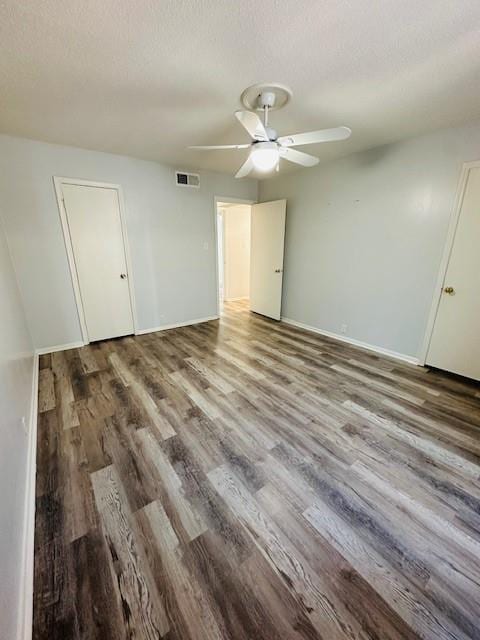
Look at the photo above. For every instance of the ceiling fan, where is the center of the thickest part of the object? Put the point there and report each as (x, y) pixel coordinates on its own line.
(266, 147)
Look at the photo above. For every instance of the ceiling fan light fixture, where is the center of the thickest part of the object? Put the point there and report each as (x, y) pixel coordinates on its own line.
(265, 156)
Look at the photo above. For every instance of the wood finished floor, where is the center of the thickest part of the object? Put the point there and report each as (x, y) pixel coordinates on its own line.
(247, 480)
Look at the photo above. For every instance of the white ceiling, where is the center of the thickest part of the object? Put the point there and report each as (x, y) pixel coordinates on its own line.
(148, 77)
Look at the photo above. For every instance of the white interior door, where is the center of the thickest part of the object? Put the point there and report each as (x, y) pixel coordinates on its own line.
(266, 257)
(455, 342)
(95, 228)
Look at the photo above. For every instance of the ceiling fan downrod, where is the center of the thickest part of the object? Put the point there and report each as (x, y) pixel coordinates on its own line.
(266, 100)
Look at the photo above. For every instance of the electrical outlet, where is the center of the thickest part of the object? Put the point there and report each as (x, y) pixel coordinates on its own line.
(343, 328)
(205, 246)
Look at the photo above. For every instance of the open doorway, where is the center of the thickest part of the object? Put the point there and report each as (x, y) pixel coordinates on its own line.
(233, 252)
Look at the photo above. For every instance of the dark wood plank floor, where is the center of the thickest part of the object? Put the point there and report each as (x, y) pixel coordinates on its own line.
(246, 480)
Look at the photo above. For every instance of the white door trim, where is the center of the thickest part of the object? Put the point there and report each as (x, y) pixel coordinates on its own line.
(216, 200)
(452, 228)
(58, 182)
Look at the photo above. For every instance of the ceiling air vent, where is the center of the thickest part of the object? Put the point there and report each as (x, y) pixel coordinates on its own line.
(187, 179)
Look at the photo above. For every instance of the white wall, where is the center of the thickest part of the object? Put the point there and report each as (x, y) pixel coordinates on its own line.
(171, 233)
(365, 235)
(16, 371)
(237, 251)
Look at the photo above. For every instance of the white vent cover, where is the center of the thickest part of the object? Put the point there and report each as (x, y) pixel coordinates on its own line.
(187, 179)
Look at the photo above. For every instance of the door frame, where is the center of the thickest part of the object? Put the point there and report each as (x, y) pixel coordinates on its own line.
(58, 182)
(447, 251)
(216, 200)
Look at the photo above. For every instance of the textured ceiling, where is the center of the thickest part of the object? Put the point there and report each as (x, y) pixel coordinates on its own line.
(148, 77)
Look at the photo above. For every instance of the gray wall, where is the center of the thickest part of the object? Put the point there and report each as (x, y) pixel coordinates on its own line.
(16, 370)
(365, 236)
(168, 226)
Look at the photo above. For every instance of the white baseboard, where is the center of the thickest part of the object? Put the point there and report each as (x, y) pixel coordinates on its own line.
(25, 608)
(139, 332)
(164, 327)
(59, 347)
(352, 341)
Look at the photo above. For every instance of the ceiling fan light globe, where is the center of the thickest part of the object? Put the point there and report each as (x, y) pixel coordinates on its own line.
(265, 156)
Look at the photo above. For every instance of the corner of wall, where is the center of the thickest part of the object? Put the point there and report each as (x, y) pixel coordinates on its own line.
(25, 607)
(21, 617)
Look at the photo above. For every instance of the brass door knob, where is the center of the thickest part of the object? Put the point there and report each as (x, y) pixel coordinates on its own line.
(449, 290)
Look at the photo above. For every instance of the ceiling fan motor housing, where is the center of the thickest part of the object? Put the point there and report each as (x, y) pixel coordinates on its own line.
(272, 134)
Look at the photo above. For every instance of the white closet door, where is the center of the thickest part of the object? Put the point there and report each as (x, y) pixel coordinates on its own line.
(266, 257)
(455, 342)
(93, 216)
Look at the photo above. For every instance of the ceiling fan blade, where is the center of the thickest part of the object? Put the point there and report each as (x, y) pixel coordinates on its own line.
(245, 169)
(252, 124)
(219, 146)
(298, 157)
(312, 137)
